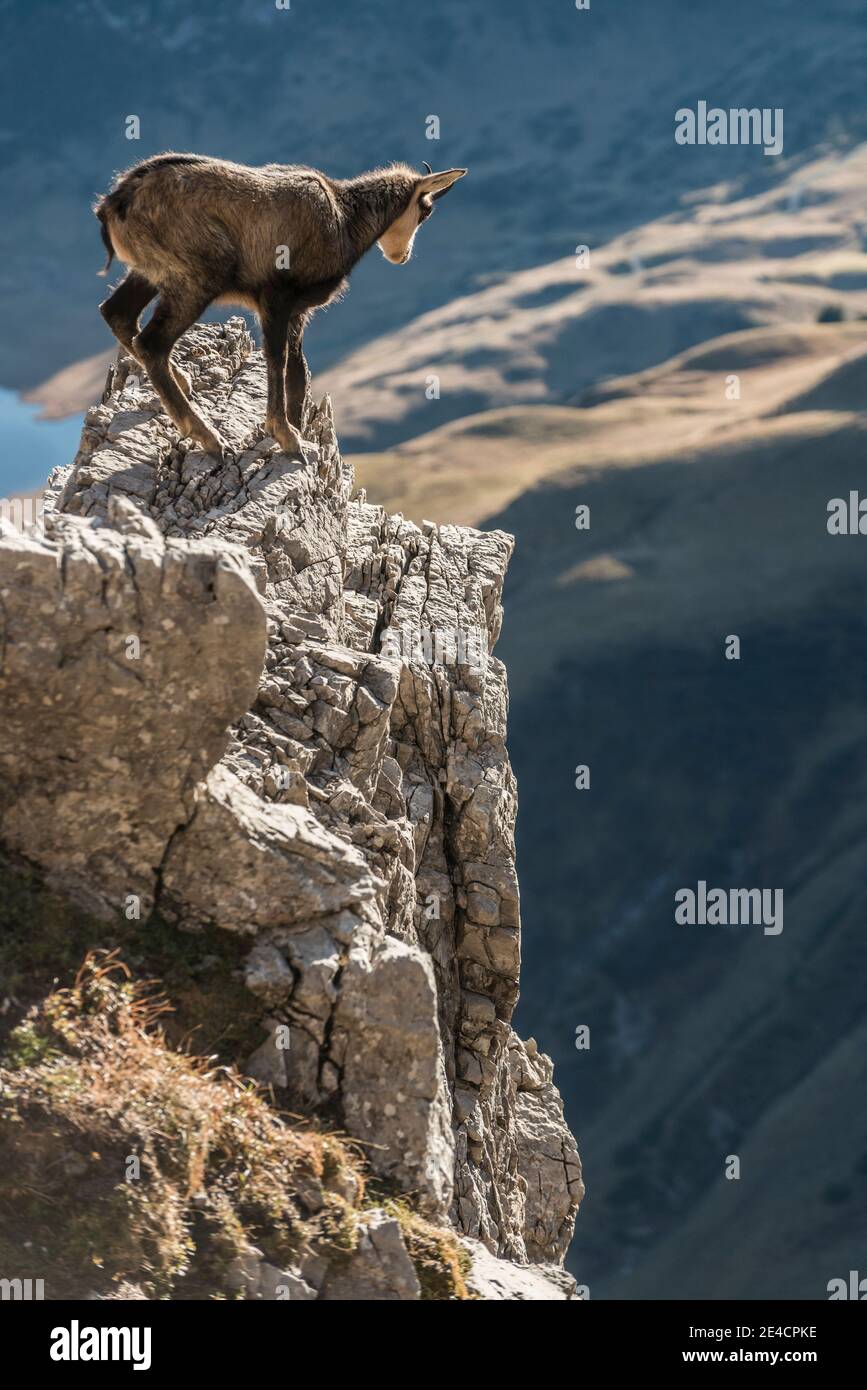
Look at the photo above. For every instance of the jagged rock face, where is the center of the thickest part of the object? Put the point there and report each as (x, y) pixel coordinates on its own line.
(357, 824)
(123, 657)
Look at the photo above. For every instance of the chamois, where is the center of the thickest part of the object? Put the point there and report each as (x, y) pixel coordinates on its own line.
(280, 239)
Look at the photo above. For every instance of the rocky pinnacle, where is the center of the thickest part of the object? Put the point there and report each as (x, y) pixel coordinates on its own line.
(244, 697)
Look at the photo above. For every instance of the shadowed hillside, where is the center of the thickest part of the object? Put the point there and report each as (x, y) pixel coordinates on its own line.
(706, 1041)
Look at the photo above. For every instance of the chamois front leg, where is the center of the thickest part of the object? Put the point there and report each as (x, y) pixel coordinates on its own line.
(297, 373)
(176, 311)
(275, 312)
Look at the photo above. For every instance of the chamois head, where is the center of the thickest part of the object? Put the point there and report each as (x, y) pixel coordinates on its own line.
(396, 241)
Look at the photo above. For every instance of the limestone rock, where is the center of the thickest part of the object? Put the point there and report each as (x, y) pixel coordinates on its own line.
(379, 1270)
(125, 657)
(387, 1045)
(309, 752)
(501, 1281)
(246, 864)
(251, 1277)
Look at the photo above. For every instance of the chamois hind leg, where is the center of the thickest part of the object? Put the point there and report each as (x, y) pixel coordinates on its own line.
(124, 305)
(122, 311)
(275, 312)
(297, 372)
(177, 310)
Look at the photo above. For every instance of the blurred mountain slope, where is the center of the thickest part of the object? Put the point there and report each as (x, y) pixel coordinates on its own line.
(708, 518)
(548, 335)
(564, 118)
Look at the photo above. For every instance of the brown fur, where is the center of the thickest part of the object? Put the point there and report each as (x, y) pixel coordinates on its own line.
(199, 231)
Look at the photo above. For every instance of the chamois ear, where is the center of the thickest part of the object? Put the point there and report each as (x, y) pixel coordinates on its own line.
(438, 184)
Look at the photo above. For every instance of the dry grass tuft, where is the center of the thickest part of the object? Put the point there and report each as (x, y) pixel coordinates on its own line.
(123, 1160)
(131, 1170)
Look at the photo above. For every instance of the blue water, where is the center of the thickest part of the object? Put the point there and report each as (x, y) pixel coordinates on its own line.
(29, 447)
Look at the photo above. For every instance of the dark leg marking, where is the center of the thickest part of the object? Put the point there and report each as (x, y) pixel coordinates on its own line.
(297, 372)
(276, 305)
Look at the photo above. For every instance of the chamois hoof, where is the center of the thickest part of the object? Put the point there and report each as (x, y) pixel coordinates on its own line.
(210, 442)
(291, 451)
(288, 439)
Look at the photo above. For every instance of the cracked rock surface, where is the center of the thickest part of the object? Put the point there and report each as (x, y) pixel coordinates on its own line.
(259, 703)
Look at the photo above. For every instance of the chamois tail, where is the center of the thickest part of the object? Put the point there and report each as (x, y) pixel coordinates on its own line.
(106, 236)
